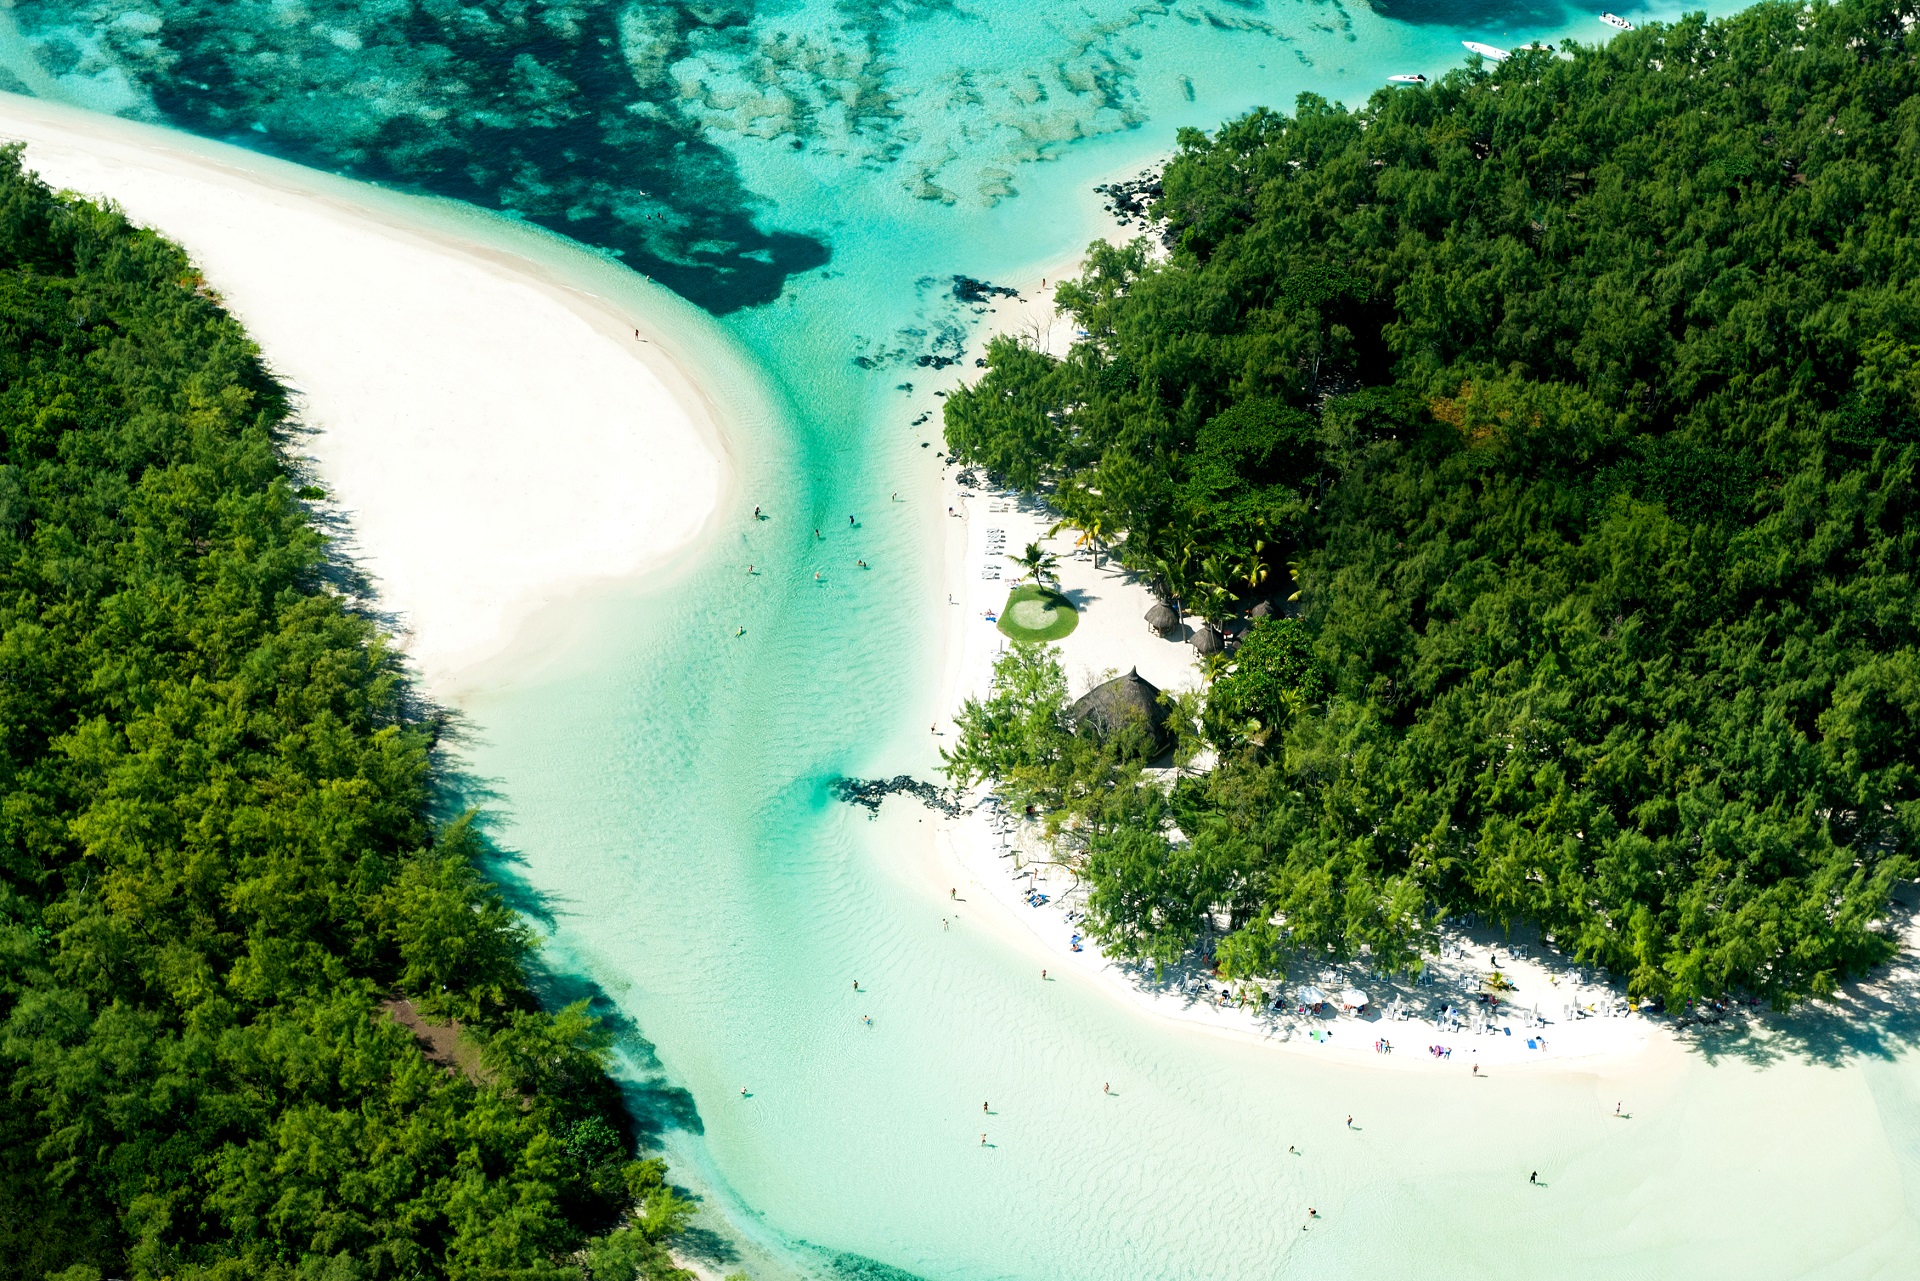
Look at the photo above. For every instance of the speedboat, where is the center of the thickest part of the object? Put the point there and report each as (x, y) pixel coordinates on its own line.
(1486, 50)
(1414, 79)
(1615, 20)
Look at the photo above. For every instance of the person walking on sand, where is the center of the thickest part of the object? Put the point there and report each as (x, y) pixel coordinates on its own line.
(849, 520)
(1043, 976)
(983, 1138)
(1107, 1088)
(856, 985)
(1349, 1123)
(1616, 1107)
(985, 1108)
(756, 511)
(1534, 1178)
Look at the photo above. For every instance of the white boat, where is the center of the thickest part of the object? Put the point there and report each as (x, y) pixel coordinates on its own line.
(1414, 79)
(1615, 20)
(1485, 50)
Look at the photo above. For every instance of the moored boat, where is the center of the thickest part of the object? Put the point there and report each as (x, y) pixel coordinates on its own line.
(1411, 79)
(1485, 50)
(1615, 20)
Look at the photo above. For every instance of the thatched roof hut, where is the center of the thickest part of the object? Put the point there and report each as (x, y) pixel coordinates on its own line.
(1162, 619)
(1263, 610)
(1206, 641)
(1110, 706)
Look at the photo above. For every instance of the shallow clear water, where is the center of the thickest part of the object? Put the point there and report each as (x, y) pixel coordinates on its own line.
(816, 174)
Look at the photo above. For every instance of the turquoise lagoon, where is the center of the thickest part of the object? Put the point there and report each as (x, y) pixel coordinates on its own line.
(814, 176)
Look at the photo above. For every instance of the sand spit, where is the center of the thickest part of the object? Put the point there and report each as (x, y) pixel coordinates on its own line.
(495, 435)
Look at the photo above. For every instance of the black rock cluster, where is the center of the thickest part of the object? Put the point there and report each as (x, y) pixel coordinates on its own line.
(1128, 199)
(869, 792)
(969, 290)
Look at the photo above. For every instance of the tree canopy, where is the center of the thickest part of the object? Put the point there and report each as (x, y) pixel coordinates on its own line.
(218, 877)
(1581, 394)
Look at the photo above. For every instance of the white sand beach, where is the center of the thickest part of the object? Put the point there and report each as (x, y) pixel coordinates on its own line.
(495, 435)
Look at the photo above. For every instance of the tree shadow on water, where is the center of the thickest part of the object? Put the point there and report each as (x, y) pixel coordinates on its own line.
(1469, 15)
(654, 1105)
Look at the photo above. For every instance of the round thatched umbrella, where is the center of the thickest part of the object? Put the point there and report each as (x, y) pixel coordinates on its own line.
(1162, 619)
(1126, 698)
(1206, 641)
(1263, 610)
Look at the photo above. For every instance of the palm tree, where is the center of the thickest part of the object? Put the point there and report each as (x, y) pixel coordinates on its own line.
(1037, 563)
(1213, 594)
(1172, 572)
(1091, 528)
(1253, 567)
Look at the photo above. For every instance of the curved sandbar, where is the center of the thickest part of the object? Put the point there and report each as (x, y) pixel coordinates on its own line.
(485, 418)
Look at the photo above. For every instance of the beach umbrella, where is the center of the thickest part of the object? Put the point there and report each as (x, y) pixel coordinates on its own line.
(1354, 999)
(1207, 641)
(1162, 619)
(1309, 995)
(1263, 610)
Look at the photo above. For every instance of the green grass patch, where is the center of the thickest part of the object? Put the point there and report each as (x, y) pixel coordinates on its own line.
(1034, 613)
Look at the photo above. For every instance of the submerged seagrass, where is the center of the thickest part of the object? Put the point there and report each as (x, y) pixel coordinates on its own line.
(259, 1016)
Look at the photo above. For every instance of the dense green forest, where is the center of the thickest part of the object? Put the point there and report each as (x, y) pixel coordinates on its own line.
(1575, 401)
(218, 878)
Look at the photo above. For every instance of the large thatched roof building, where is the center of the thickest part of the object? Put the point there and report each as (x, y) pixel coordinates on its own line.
(1110, 706)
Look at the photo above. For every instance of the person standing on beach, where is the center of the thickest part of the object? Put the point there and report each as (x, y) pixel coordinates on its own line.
(1349, 1123)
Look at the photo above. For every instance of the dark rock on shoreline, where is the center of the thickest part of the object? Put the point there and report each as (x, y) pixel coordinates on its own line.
(967, 289)
(869, 792)
(1129, 199)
